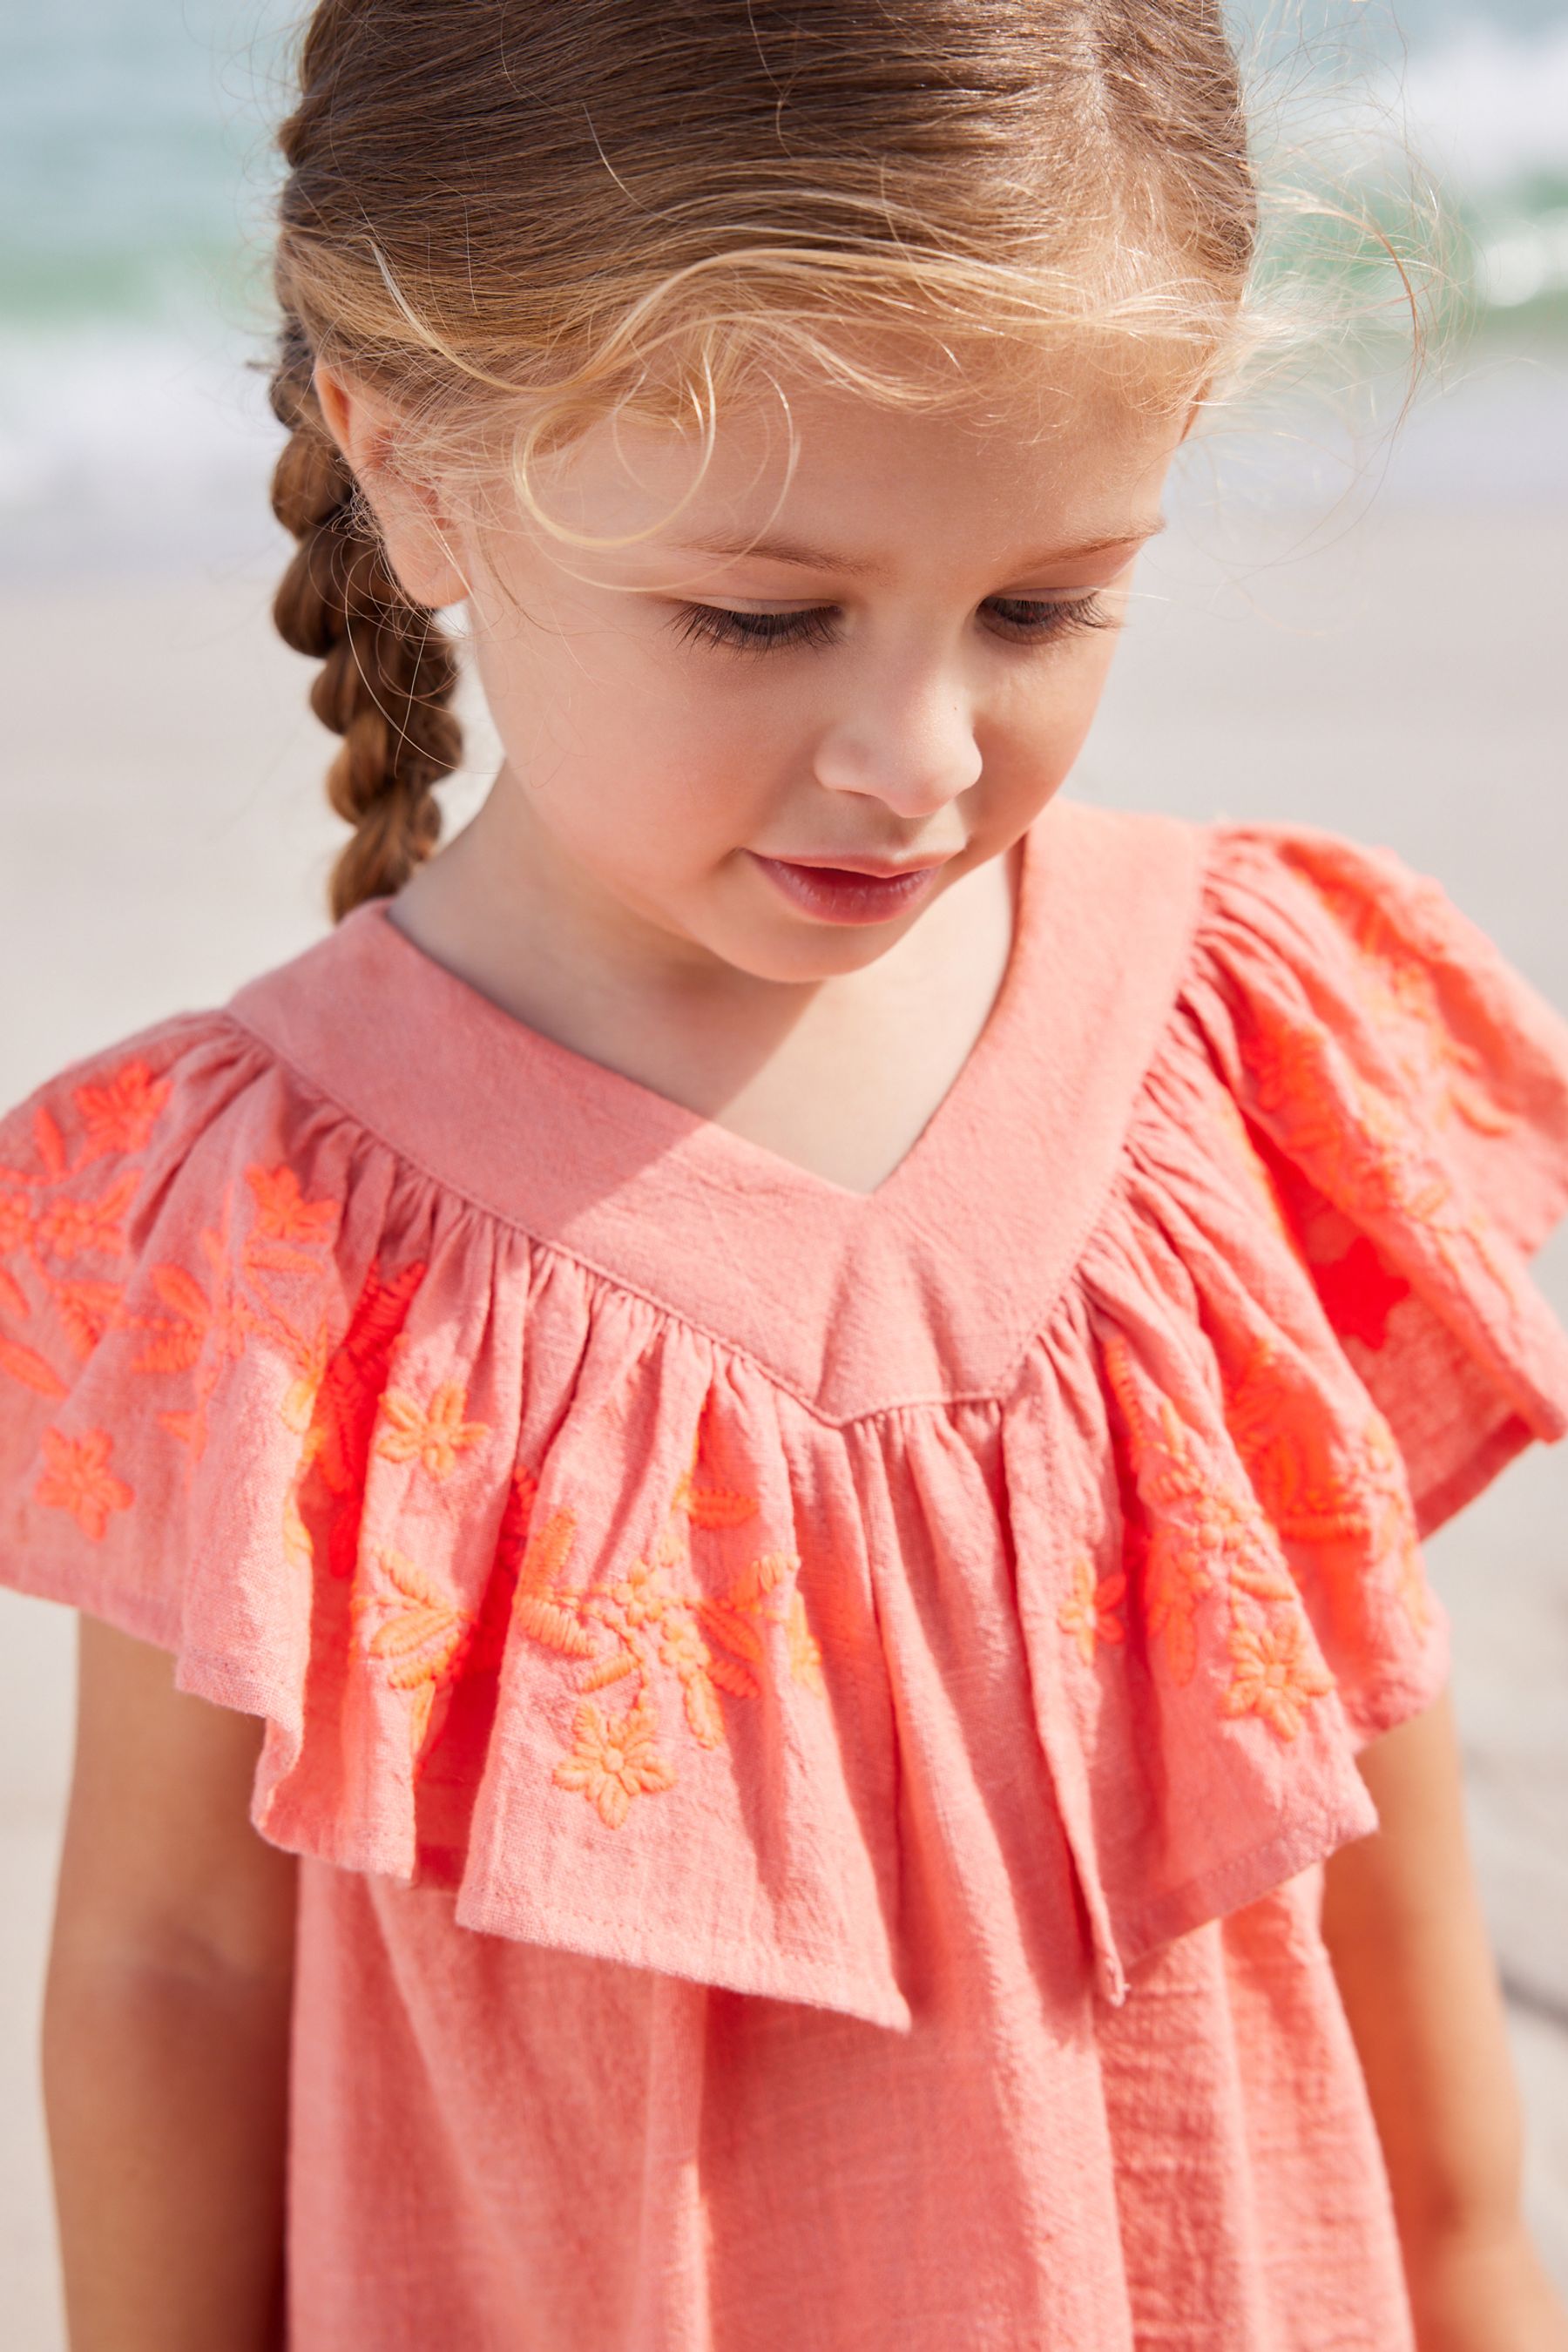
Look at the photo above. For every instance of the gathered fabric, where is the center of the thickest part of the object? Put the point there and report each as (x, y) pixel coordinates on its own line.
(812, 1721)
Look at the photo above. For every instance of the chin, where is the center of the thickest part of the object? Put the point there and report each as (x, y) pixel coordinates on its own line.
(817, 953)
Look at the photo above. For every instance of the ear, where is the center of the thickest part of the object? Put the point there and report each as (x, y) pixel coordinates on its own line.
(420, 541)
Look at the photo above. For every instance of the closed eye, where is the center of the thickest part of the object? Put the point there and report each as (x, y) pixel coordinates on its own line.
(756, 632)
(1044, 620)
(1021, 620)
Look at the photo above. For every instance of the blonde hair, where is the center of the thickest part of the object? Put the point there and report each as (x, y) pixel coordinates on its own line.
(512, 219)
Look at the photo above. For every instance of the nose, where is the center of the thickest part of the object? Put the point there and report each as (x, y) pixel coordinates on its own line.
(911, 745)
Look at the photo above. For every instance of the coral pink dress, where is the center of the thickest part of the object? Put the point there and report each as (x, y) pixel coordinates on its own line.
(811, 1720)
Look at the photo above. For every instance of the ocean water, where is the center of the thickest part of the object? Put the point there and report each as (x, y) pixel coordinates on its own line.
(135, 175)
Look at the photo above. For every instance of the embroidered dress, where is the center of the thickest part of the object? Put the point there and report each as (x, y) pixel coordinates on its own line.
(812, 1721)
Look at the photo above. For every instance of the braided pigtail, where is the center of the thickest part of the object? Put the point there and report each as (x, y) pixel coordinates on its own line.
(389, 668)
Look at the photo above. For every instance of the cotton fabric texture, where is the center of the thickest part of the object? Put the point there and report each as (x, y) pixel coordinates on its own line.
(812, 1721)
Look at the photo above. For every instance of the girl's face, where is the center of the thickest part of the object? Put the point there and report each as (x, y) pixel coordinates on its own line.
(889, 652)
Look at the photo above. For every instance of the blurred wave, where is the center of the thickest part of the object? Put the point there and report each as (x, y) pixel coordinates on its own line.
(135, 178)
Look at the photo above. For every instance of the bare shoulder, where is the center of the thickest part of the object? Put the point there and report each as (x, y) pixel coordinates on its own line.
(160, 1865)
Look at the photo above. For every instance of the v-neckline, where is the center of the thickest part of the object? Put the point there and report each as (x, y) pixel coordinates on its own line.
(628, 1102)
(927, 1285)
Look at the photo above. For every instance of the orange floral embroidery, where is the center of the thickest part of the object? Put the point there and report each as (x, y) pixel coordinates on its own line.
(1354, 1508)
(43, 1230)
(247, 1293)
(79, 1228)
(614, 1760)
(407, 1621)
(282, 1213)
(1209, 1534)
(79, 1479)
(650, 1623)
(1087, 1614)
(87, 1311)
(1401, 990)
(1276, 1675)
(432, 1435)
(1200, 1530)
(1365, 1158)
(120, 1115)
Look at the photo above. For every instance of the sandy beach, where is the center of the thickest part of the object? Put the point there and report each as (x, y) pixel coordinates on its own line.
(165, 838)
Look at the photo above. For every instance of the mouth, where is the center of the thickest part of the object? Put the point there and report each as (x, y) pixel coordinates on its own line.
(883, 869)
(850, 891)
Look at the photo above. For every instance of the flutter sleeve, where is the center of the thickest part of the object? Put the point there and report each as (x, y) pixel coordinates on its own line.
(504, 1558)
(1303, 1335)
(113, 1192)
(1410, 1090)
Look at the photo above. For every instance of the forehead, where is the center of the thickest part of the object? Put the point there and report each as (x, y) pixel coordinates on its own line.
(864, 486)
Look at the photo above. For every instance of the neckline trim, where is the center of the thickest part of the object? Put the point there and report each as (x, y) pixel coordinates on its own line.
(627, 1101)
(858, 1302)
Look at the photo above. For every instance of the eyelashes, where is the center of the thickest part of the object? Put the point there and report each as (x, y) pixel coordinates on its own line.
(716, 625)
(1020, 620)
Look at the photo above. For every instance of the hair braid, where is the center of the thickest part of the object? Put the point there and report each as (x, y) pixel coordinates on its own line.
(388, 667)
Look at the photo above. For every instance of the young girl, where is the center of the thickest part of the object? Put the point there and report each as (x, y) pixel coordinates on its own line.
(745, 1470)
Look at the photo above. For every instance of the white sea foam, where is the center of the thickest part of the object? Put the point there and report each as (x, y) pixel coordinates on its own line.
(121, 445)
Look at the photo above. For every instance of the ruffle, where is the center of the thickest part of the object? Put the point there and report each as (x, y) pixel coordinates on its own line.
(549, 1598)
(1303, 1335)
(507, 1562)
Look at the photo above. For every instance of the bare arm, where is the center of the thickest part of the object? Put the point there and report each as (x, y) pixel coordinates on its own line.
(166, 2020)
(1404, 1926)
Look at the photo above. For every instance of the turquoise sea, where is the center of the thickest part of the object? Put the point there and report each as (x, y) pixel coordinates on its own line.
(135, 173)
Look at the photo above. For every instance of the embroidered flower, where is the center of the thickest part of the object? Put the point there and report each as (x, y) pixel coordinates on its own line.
(75, 1228)
(1087, 1614)
(1368, 1156)
(614, 1758)
(640, 1596)
(283, 1214)
(1208, 1533)
(406, 1620)
(87, 1311)
(1275, 1674)
(1203, 1526)
(176, 1338)
(1350, 1501)
(434, 1434)
(80, 1480)
(652, 1618)
(682, 1647)
(120, 1115)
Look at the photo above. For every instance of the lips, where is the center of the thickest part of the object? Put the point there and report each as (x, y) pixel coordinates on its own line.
(867, 892)
(881, 869)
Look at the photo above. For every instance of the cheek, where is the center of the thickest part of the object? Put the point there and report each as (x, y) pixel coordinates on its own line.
(641, 770)
(1044, 714)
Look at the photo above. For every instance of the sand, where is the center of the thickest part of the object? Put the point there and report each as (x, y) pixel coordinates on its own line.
(1402, 679)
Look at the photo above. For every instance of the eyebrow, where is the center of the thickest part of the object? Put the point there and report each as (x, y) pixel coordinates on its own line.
(822, 559)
